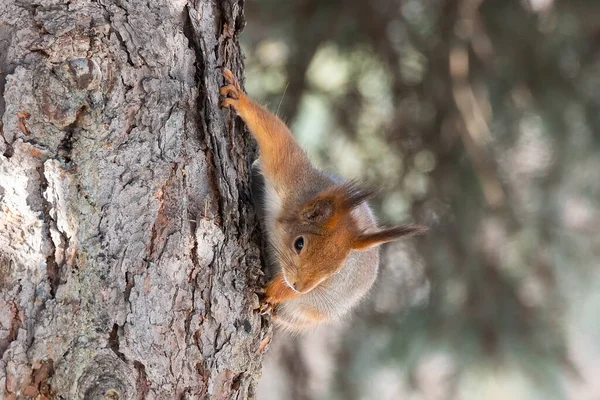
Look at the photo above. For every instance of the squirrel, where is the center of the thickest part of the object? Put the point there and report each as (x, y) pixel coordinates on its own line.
(323, 238)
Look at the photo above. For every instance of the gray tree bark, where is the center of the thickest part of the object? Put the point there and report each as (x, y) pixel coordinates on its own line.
(129, 249)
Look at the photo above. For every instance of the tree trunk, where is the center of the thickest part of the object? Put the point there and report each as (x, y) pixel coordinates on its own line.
(128, 246)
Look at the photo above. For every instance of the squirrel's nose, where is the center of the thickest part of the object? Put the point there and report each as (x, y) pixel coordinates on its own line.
(298, 286)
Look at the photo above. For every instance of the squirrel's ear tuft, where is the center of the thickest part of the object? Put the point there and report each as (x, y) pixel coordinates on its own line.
(351, 194)
(380, 236)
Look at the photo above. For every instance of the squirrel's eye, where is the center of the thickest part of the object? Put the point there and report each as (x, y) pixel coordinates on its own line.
(299, 244)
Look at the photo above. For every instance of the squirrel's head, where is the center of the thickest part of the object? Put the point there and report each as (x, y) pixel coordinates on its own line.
(319, 234)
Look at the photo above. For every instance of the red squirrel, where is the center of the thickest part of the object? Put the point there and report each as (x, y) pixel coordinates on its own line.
(323, 237)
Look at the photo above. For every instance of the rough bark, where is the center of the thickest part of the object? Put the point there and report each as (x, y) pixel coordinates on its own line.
(128, 245)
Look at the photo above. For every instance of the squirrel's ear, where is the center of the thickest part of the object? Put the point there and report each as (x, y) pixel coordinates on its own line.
(366, 240)
(331, 204)
(318, 210)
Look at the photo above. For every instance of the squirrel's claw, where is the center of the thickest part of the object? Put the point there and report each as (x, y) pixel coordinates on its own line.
(266, 305)
(230, 78)
(265, 308)
(229, 91)
(228, 102)
(228, 75)
(260, 290)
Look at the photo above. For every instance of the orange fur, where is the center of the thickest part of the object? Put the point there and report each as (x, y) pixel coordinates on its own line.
(326, 223)
(365, 240)
(277, 290)
(311, 205)
(281, 156)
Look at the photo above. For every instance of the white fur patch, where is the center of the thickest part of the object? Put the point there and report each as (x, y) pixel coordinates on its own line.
(272, 205)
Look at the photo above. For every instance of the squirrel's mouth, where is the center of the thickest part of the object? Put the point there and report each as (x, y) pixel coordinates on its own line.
(291, 285)
(300, 286)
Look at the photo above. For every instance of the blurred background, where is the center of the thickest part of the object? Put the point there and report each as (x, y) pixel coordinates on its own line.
(480, 119)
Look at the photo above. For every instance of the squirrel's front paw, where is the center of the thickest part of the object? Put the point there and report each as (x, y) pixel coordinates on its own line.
(266, 306)
(231, 91)
(265, 302)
